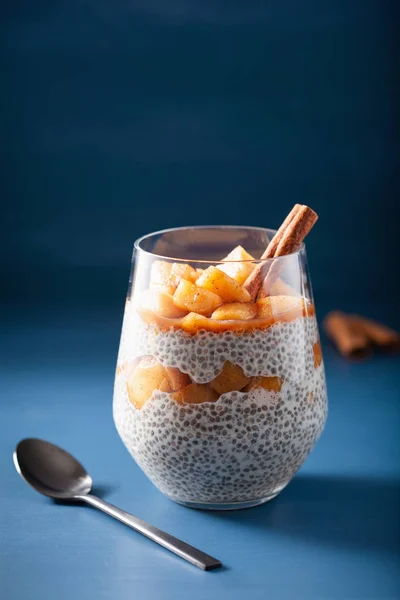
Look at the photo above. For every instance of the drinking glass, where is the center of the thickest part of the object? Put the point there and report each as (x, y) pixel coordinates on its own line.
(218, 399)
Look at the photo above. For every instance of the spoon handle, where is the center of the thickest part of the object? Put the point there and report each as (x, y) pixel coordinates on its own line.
(192, 555)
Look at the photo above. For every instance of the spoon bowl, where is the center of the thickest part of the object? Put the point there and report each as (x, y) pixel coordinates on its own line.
(52, 471)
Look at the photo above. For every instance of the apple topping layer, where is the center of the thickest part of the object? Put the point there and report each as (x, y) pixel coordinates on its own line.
(149, 376)
(216, 299)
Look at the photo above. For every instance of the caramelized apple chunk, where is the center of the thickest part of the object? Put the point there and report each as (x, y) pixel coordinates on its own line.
(194, 277)
(271, 384)
(190, 297)
(216, 281)
(167, 289)
(169, 275)
(237, 270)
(160, 273)
(317, 350)
(277, 306)
(235, 311)
(230, 379)
(195, 393)
(176, 378)
(193, 323)
(148, 376)
(165, 386)
(279, 288)
(161, 303)
(182, 271)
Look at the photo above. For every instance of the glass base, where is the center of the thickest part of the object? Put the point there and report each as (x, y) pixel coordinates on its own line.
(228, 505)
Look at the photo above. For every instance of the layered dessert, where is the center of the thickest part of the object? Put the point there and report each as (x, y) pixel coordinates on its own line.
(220, 389)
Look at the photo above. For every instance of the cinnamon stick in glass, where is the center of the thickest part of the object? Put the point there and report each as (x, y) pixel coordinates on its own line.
(287, 239)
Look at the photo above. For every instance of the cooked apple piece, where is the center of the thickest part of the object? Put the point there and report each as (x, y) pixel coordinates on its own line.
(235, 311)
(189, 296)
(169, 275)
(271, 384)
(161, 303)
(279, 288)
(194, 276)
(215, 280)
(239, 254)
(317, 350)
(165, 386)
(148, 376)
(160, 273)
(195, 393)
(176, 378)
(193, 323)
(230, 379)
(182, 271)
(124, 369)
(237, 270)
(163, 323)
(277, 306)
(167, 289)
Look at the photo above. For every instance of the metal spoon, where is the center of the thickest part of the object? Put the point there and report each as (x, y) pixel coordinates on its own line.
(55, 473)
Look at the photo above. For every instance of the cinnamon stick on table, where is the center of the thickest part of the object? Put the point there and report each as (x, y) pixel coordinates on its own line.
(350, 341)
(287, 239)
(378, 334)
(355, 336)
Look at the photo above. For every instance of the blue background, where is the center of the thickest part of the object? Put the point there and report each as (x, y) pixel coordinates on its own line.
(118, 118)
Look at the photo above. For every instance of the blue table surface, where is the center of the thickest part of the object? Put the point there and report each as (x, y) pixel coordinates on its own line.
(333, 533)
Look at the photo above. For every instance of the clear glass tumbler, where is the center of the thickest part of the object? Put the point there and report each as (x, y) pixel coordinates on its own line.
(218, 398)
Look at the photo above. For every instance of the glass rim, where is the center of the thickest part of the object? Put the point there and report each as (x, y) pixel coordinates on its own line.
(141, 239)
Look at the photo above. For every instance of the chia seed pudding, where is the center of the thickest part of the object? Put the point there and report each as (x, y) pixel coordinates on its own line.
(244, 446)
